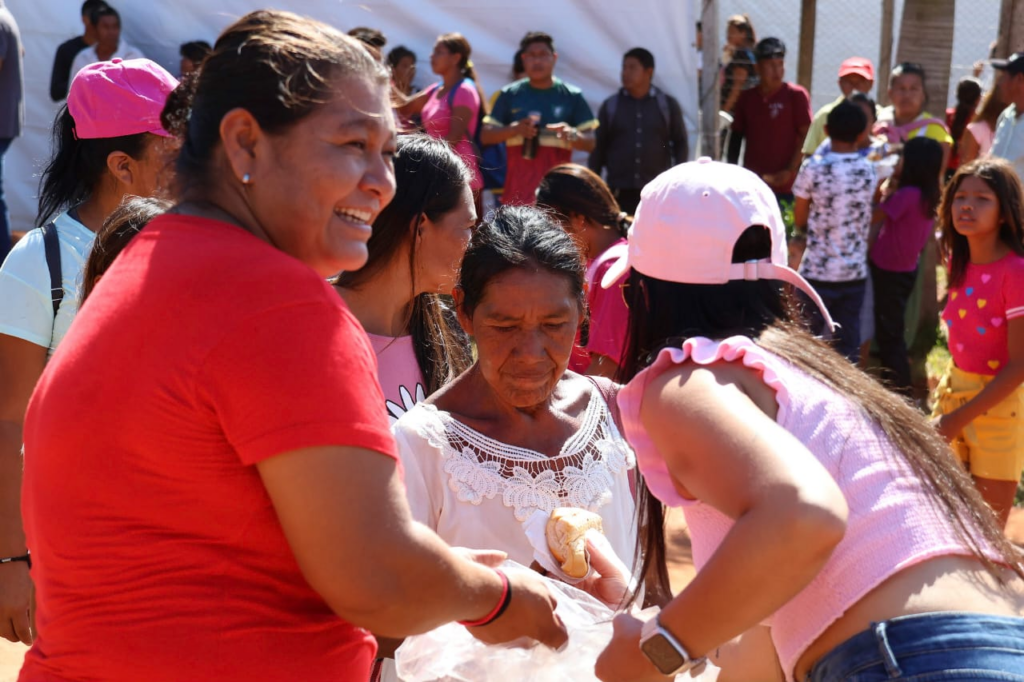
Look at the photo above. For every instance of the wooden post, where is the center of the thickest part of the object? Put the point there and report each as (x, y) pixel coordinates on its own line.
(709, 88)
(926, 37)
(805, 65)
(1011, 28)
(884, 65)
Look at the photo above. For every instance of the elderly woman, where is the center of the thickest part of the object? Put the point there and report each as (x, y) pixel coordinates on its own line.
(516, 433)
(243, 517)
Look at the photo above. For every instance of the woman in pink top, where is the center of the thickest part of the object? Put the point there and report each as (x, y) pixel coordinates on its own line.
(450, 110)
(819, 504)
(586, 208)
(414, 254)
(981, 131)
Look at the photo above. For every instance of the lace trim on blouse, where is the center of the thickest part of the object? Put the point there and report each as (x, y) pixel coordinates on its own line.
(581, 475)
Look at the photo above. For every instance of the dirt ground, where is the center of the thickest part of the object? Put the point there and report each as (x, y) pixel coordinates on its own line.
(679, 562)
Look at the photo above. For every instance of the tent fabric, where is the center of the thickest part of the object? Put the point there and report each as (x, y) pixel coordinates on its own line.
(590, 36)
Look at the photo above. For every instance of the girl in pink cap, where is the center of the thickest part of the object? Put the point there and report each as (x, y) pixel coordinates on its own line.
(819, 504)
(107, 144)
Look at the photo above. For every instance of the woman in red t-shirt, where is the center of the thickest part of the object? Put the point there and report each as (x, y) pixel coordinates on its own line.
(211, 490)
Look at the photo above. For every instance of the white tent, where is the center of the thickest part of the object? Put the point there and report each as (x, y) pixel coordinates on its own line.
(590, 36)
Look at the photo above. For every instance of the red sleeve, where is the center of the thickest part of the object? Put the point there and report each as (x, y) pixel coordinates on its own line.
(295, 376)
(802, 114)
(609, 316)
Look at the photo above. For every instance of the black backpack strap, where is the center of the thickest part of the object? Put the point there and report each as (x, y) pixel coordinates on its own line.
(51, 245)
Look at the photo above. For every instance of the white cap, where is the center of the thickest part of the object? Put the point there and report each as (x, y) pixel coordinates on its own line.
(689, 220)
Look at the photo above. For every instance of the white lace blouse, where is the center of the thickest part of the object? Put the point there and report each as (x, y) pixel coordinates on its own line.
(475, 491)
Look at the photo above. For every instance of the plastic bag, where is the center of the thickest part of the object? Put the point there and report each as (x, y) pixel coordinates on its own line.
(451, 654)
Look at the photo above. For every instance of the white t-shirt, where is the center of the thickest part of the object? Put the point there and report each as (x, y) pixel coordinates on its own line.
(475, 492)
(26, 305)
(88, 56)
(840, 188)
(1008, 142)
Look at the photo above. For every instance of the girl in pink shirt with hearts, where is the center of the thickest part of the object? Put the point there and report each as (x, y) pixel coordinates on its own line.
(979, 405)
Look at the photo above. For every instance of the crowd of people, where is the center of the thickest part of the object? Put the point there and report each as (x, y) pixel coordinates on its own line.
(277, 390)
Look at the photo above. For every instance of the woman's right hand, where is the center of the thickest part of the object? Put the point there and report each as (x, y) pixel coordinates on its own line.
(531, 613)
(609, 581)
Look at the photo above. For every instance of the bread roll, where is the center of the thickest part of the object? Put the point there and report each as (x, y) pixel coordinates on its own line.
(566, 535)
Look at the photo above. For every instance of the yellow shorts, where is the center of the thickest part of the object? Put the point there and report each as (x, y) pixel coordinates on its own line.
(992, 446)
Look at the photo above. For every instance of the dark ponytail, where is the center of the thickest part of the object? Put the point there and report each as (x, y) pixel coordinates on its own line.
(78, 166)
(456, 43)
(570, 189)
(968, 94)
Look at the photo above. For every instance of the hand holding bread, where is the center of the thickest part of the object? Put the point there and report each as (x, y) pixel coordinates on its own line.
(566, 535)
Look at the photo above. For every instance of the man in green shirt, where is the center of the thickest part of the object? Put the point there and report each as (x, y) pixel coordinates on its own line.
(856, 74)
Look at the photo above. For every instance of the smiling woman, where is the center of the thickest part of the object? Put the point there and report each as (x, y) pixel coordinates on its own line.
(414, 254)
(246, 507)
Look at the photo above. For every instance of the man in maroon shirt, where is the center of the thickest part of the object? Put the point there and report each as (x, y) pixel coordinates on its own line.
(773, 118)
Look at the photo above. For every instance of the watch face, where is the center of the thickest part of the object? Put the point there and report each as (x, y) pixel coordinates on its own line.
(662, 654)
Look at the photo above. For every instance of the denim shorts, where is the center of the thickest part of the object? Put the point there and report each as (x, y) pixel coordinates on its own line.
(932, 646)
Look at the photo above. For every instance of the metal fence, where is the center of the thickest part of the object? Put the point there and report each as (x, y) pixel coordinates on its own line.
(845, 28)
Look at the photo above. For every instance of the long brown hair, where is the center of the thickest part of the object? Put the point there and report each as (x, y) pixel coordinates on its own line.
(664, 314)
(990, 108)
(1002, 179)
(430, 179)
(456, 43)
(570, 188)
(968, 94)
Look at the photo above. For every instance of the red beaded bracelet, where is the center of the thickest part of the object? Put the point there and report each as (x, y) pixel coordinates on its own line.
(503, 602)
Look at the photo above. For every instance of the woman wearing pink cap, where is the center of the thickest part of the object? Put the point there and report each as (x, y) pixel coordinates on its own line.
(107, 143)
(243, 517)
(819, 504)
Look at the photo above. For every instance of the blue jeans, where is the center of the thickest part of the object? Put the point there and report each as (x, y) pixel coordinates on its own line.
(932, 646)
(5, 217)
(843, 300)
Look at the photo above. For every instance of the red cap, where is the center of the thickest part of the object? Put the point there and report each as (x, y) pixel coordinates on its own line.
(859, 66)
(119, 97)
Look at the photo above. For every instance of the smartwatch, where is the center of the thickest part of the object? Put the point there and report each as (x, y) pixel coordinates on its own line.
(665, 651)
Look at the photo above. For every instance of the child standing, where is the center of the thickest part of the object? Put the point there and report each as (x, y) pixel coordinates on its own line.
(908, 220)
(833, 205)
(980, 405)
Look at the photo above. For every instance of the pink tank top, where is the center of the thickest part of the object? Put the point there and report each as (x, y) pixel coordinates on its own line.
(892, 523)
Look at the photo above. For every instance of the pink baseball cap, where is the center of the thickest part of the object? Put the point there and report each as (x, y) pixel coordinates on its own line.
(688, 222)
(859, 66)
(119, 97)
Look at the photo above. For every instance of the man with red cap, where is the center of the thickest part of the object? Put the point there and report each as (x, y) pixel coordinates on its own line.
(856, 74)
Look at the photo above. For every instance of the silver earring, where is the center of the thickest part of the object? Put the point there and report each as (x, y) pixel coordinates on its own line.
(246, 179)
